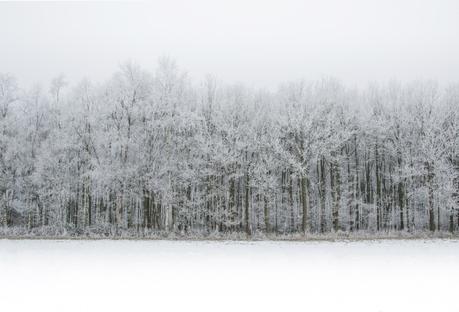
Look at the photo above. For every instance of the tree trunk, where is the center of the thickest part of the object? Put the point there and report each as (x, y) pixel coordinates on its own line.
(248, 229)
(266, 214)
(431, 197)
(321, 174)
(305, 203)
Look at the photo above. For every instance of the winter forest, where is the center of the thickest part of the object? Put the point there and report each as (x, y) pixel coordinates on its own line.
(153, 153)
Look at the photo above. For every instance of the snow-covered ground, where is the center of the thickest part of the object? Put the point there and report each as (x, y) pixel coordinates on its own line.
(390, 275)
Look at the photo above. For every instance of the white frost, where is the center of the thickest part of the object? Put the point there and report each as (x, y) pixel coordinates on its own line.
(229, 276)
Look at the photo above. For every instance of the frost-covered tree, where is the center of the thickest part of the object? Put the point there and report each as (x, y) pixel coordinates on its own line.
(151, 153)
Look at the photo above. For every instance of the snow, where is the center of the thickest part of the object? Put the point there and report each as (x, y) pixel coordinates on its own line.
(119, 275)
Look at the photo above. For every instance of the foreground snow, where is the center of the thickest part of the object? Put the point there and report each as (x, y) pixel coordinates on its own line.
(390, 275)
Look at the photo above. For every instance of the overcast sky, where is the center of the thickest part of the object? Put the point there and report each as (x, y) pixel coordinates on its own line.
(261, 43)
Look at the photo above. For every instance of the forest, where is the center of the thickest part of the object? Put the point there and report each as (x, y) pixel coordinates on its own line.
(150, 153)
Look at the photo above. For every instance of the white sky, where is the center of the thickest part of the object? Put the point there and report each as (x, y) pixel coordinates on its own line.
(260, 43)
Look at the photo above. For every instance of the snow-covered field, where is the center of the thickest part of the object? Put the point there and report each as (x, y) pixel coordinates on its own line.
(390, 275)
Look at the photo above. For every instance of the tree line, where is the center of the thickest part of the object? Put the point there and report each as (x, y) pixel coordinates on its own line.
(153, 152)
